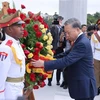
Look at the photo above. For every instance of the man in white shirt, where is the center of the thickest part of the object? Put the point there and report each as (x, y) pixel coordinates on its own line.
(96, 54)
(12, 58)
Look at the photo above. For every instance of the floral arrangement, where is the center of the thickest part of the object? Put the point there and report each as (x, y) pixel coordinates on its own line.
(36, 43)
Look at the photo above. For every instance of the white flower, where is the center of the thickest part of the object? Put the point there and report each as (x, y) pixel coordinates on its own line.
(49, 34)
(49, 42)
(41, 26)
(45, 37)
(43, 30)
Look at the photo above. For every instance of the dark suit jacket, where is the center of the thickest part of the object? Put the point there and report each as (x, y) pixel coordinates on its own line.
(81, 80)
(55, 35)
(55, 31)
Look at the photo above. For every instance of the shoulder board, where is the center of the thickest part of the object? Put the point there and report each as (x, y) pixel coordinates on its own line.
(9, 43)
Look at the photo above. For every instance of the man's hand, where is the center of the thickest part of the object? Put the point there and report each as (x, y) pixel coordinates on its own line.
(37, 63)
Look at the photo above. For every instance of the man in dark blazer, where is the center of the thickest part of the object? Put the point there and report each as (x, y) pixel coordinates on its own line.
(81, 79)
(56, 30)
(55, 36)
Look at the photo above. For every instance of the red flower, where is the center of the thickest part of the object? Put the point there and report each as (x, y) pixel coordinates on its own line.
(40, 47)
(36, 27)
(22, 16)
(40, 19)
(39, 83)
(34, 18)
(25, 33)
(45, 25)
(36, 57)
(26, 52)
(30, 14)
(27, 21)
(42, 84)
(22, 6)
(40, 74)
(38, 34)
(32, 77)
(36, 50)
(23, 46)
(44, 77)
(11, 11)
(37, 44)
(23, 25)
(35, 87)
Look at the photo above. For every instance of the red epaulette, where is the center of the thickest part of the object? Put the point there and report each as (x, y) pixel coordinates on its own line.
(9, 43)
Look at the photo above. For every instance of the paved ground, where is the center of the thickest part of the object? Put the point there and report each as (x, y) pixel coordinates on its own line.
(54, 92)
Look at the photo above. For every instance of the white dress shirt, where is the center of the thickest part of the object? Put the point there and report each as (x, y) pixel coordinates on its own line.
(95, 44)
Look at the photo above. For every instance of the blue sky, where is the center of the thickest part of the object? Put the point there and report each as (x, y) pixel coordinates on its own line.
(50, 6)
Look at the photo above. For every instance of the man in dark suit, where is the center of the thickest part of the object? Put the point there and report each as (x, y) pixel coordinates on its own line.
(56, 30)
(55, 36)
(81, 79)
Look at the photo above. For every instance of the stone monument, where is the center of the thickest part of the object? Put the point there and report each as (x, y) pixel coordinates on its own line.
(73, 8)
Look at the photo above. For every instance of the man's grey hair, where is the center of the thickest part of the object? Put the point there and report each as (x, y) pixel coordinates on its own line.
(75, 23)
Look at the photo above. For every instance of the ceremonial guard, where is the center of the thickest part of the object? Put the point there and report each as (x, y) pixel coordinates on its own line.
(12, 58)
(95, 43)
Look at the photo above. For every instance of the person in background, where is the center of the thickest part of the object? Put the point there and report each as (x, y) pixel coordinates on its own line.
(56, 30)
(59, 48)
(66, 46)
(90, 31)
(84, 29)
(81, 78)
(12, 58)
(96, 54)
(55, 35)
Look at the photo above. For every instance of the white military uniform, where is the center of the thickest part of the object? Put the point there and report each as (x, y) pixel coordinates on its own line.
(9, 68)
(95, 46)
(96, 55)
